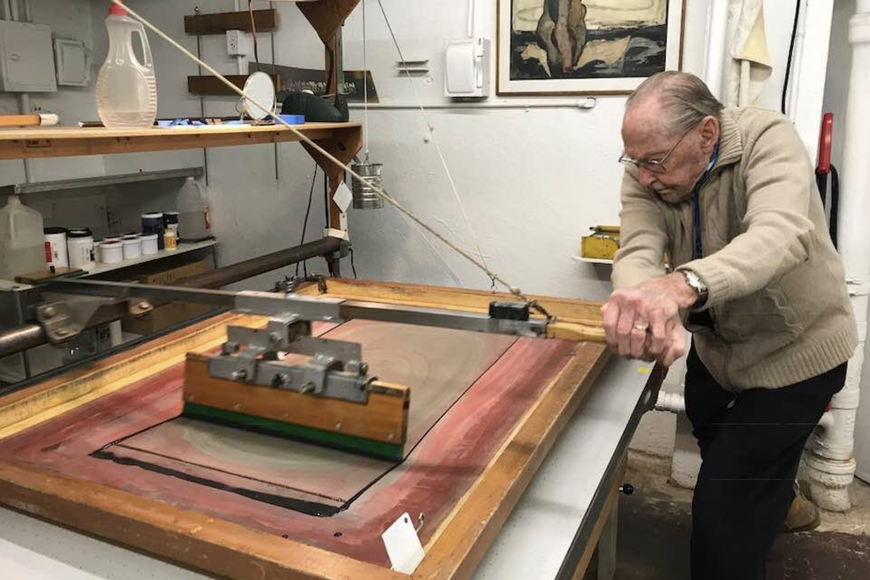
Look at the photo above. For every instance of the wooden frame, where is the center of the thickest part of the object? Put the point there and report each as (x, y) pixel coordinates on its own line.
(220, 547)
(555, 86)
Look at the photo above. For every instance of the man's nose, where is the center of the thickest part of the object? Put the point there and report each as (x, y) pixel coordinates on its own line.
(645, 176)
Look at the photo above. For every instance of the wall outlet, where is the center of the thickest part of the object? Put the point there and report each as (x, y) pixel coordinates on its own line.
(239, 43)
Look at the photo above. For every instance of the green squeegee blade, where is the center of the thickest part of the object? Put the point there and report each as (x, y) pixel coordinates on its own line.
(352, 443)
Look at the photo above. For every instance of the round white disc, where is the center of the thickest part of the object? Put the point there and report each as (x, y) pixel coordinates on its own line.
(260, 88)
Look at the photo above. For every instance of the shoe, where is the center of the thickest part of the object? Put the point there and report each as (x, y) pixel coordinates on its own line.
(803, 515)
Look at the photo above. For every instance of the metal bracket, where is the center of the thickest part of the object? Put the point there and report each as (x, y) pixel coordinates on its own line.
(254, 356)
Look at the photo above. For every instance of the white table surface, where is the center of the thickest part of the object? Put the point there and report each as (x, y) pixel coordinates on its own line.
(533, 543)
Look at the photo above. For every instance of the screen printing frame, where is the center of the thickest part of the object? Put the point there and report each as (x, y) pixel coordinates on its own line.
(214, 545)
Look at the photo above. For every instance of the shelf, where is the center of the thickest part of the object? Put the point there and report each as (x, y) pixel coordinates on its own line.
(41, 142)
(183, 248)
(100, 181)
(584, 260)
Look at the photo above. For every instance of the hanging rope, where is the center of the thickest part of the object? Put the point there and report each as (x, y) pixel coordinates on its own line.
(307, 140)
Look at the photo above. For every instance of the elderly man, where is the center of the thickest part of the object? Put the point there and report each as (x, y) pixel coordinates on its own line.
(728, 198)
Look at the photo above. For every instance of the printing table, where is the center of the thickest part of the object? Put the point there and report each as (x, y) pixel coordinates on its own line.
(570, 502)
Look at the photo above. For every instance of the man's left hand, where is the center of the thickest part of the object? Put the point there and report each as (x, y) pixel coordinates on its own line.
(636, 320)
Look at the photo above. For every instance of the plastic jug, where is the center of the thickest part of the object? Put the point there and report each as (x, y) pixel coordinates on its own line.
(126, 88)
(22, 240)
(193, 219)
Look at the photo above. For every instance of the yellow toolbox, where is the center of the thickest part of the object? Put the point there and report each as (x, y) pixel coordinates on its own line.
(601, 244)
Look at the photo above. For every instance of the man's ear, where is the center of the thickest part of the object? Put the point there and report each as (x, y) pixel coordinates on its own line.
(709, 133)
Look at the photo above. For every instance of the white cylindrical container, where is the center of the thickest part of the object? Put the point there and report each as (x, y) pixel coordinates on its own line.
(132, 246)
(149, 244)
(80, 245)
(55, 248)
(169, 241)
(111, 252)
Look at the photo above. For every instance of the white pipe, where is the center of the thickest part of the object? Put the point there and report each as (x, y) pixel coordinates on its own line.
(29, 166)
(470, 18)
(240, 60)
(796, 62)
(586, 103)
(830, 464)
(671, 402)
(7, 10)
(14, 14)
(717, 25)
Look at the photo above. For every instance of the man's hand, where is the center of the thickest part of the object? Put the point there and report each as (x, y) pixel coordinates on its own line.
(643, 322)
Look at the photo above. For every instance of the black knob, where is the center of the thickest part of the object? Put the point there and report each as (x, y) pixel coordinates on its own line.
(627, 489)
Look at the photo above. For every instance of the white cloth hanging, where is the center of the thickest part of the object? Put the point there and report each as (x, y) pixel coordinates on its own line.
(749, 66)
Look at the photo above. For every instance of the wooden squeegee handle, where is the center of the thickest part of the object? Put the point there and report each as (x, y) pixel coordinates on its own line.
(575, 331)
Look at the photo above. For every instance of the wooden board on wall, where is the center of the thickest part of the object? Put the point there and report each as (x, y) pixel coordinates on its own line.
(219, 23)
(213, 544)
(211, 85)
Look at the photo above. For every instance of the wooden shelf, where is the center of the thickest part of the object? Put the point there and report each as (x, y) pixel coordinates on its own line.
(183, 248)
(70, 141)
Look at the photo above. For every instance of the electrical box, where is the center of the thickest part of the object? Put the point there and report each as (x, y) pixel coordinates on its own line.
(239, 43)
(26, 58)
(72, 63)
(466, 71)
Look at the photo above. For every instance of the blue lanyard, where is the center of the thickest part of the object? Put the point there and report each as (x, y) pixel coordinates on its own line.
(696, 203)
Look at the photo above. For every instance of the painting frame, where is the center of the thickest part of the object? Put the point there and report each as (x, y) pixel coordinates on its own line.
(554, 86)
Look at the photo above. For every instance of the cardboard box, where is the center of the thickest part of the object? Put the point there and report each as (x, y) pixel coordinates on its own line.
(169, 314)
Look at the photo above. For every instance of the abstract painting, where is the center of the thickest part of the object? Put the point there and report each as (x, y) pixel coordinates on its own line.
(561, 47)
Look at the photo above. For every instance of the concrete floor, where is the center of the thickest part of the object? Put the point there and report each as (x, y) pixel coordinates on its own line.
(655, 524)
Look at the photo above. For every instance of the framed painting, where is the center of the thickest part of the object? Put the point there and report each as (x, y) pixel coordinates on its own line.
(575, 47)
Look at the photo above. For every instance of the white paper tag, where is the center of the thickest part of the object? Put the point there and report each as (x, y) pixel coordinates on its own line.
(343, 197)
(403, 545)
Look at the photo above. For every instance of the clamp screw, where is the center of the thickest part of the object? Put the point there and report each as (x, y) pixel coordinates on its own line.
(143, 306)
(239, 375)
(49, 311)
(274, 337)
(62, 332)
(308, 388)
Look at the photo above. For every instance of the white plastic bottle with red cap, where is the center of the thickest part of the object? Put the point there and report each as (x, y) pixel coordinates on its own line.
(126, 88)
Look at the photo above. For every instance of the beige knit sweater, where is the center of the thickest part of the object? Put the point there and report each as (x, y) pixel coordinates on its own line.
(777, 291)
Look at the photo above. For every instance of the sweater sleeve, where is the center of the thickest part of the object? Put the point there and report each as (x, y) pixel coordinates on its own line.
(777, 232)
(643, 237)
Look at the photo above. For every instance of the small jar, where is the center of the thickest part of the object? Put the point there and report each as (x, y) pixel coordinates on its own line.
(111, 252)
(149, 244)
(170, 222)
(152, 223)
(132, 245)
(55, 248)
(80, 248)
(169, 241)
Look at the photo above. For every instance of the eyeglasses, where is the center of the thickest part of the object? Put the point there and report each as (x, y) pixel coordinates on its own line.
(654, 165)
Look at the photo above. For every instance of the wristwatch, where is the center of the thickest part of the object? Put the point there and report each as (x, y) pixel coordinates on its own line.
(697, 285)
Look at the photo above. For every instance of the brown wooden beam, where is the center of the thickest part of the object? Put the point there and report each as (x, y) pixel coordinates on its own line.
(210, 85)
(327, 16)
(221, 22)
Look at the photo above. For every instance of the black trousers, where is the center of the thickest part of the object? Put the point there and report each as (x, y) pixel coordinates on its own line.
(751, 444)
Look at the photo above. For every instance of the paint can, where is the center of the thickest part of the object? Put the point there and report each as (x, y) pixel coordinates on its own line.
(149, 244)
(152, 223)
(56, 253)
(111, 252)
(132, 246)
(364, 197)
(80, 247)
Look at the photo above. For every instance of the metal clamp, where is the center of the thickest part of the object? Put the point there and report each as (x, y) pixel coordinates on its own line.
(254, 356)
